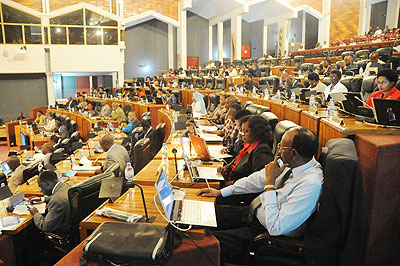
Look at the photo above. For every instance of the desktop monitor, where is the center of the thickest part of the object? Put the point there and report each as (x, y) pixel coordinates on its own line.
(23, 139)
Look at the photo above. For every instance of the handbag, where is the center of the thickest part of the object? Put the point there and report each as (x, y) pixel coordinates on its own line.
(118, 243)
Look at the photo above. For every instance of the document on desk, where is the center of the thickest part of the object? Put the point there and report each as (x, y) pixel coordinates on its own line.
(210, 137)
(209, 128)
(23, 210)
(215, 152)
(119, 215)
(12, 227)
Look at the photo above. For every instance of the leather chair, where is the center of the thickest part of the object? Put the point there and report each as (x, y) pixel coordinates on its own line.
(67, 124)
(267, 71)
(307, 68)
(146, 114)
(247, 104)
(356, 84)
(334, 232)
(73, 125)
(338, 63)
(115, 169)
(262, 81)
(195, 72)
(75, 136)
(298, 60)
(237, 62)
(271, 118)
(262, 68)
(83, 200)
(362, 63)
(127, 109)
(209, 83)
(217, 64)
(188, 72)
(58, 156)
(248, 62)
(181, 82)
(344, 54)
(178, 95)
(397, 84)
(279, 130)
(188, 80)
(205, 99)
(285, 61)
(363, 54)
(347, 82)
(156, 145)
(65, 143)
(369, 85)
(253, 108)
(220, 83)
(261, 61)
(136, 134)
(273, 62)
(3, 179)
(199, 83)
(327, 81)
(262, 109)
(213, 101)
(273, 82)
(385, 53)
(31, 170)
(117, 91)
(140, 80)
(58, 150)
(141, 154)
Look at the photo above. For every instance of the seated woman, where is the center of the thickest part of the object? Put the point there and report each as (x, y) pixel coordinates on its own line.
(256, 153)
(387, 78)
(220, 109)
(198, 105)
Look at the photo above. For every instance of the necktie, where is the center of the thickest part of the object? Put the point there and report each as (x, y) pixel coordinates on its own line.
(257, 201)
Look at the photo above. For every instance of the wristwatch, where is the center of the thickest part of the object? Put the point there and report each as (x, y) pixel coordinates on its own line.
(269, 186)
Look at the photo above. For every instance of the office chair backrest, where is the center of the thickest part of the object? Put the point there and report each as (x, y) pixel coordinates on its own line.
(385, 53)
(209, 83)
(178, 95)
(334, 233)
(338, 63)
(59, 150)
(220, 83)
(117, 91)
(326, 81)
(344, 54)
(247, 103)
(285, 61)
(253, 108)
(237, 62)
(199, 83)
(262, 81)
(127, 109)
(362, 54)
(136, 134)
(362, 63)
(58, 156)
(273, 62)
(307, 67)
(271, 118)
(146, 118)
(159, 140)
(368, 86)
(140, 81)
(347, 82)
(298, 60)
(188, 80)
(213, 100)
(3, 179)
(195, 72)
(261, 60)
(262, 109)
(217, 64)
(75, 136)
(279, 130)
(32, 170)
(141, 154)
(248, 62)
(273, 81)
(356, 84)
(115, 169)
(205, 99)
(84, 199)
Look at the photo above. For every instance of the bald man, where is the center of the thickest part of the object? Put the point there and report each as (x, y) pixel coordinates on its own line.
(115, 154)
(47, 150)
(17, 178)
(117, 113)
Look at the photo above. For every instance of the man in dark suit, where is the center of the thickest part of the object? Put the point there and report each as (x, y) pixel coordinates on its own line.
(115, 154)
(58, 217)
(255, 71)
(292, 83)
(249, 83)
(71, 103)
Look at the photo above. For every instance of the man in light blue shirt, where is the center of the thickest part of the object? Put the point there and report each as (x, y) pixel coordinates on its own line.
(289, 195)
(133, 123)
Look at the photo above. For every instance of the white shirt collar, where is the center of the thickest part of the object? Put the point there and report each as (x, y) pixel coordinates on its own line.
(54, 188)
(302, 167)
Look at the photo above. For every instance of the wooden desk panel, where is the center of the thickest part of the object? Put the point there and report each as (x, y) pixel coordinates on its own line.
(292, 113)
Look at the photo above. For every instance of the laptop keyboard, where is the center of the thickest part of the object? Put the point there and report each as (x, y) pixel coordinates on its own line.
(191, 211)
(207, 172)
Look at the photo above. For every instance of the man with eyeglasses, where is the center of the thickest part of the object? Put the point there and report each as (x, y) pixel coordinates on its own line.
(387, 78)
(289, 195)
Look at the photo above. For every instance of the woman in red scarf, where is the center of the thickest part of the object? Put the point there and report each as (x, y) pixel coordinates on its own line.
(256, 134)
(387, 78)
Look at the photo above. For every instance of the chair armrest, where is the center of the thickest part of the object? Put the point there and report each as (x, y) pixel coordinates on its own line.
(264, 244)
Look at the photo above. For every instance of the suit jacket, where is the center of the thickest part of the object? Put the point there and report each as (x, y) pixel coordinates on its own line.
(255, 73)
(58, 217)
(106, 111)
(252, 162)
(63, 132)
(71, 104)
(117, 154)
(118, 115)
(17, 178)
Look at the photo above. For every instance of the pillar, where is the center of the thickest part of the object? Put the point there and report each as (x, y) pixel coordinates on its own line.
(392, 15)
(283, 35)
(236, 33)
(182, 40)
(324, 23)
(210, 42)
(220, 41)
(265, 38)
(170, 46)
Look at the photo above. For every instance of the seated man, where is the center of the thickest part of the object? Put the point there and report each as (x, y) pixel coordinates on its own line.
(58, 217)
(292, 83)
(20, 116)
(255, 71)
(289, 196)
(171, 99)
(61, 129)
(249, 83)
(17, 177)
(47, 150)
(315, 84)
(105, 110)
(375, 64)
(348, 65)
(115, 154)
(117, 113)
(51, 126)
(71, 103)
(133, 122)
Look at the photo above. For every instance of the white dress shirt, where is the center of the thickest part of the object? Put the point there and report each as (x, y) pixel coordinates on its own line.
(339, 87)
(284, 211)
(233, 73)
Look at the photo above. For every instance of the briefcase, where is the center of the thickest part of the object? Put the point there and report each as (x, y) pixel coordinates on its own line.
(117, 243)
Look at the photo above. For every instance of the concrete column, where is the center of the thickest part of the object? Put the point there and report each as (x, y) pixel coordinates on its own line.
(170, 46)
(265, 38)
(392, 13)
(324, 23)
(283, 33)
(220, 41)
(50, 89)
(210, 42)
(362, 17)
(236, 33)
(119, 79)
(182, 41)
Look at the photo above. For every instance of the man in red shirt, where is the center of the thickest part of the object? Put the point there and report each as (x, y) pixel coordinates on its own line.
(387, 78)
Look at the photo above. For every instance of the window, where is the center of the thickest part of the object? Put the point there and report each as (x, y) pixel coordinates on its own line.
(1, 34)
(33, 34)
(13, 34)
(73, 18)
(12, 15)
(58, 35)
(76, 35)
(94, 19)
(93, 36)
(110, 36)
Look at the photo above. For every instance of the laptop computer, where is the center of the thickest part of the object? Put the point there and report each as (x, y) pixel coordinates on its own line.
(110, 125)
(352, 102)
(184, 211)
(5, 192)
(201, 148)
(6, 169)
(386, 111)
(199, 173)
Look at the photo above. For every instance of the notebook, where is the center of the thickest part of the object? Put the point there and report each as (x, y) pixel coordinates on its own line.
(198, 173)
(201, 148)
(184, 211)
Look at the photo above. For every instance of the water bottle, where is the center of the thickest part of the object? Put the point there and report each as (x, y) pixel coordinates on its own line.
(331, 109)
(129, 173)
(312, 107)
(293, 99)
(72, 161)
(361, 71)
(164, 158)
(167, 107)
(254, 91)
(266, 94)
(278, 95)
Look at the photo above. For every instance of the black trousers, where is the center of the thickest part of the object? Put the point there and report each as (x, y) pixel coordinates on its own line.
(235, 232)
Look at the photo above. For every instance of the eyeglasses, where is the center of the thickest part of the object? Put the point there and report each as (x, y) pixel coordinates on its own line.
(244, 132)
(383, 82)
(283, 147)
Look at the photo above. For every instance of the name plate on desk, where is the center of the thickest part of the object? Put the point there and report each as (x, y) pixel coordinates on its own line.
(338, 120)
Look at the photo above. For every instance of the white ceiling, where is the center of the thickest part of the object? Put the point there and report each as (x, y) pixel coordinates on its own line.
(267, 10)
(213, 8)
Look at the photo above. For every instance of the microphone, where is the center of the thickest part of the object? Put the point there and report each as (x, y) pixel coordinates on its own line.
(174, 151)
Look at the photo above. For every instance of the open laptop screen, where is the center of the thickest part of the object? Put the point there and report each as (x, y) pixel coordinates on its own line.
(111, 126)
(23, 139)
(6, 168)
(164, 193)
